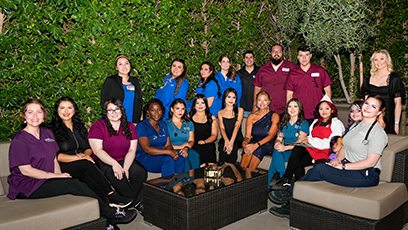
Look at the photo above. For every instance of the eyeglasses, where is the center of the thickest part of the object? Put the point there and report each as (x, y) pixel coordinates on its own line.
(111, 111)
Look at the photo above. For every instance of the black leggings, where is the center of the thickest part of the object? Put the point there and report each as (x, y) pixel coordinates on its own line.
(298, 160)
(63, 186)
(87, 172)
(131, 187)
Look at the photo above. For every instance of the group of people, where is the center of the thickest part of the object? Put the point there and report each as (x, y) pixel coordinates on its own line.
(288, 117)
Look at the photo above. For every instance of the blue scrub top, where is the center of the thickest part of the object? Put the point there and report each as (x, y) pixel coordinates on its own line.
(211, 90)
(182, 134)
(157, 139)
(166, 93)
(289, 131)
(128, 102)
(229, 83)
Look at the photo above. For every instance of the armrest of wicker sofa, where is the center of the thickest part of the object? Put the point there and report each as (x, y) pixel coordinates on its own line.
(400, 172)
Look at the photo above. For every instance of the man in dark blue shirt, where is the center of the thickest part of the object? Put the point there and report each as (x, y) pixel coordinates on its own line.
(247, 75)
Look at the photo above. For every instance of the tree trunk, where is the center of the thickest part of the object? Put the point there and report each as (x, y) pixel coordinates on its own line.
(343, 86)
(1, 21)
(360, 58)
(352, 82)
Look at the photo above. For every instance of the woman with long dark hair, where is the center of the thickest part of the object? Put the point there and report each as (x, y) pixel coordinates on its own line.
(292, 128)
(230, 120)
(175, 85)
(181, 132)
(114, 141)
(155, 151)
(206, 129)
(74, 154)
(209, 87)
(323, 128)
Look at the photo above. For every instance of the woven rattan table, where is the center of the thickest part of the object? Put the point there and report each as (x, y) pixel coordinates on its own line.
(210, 210)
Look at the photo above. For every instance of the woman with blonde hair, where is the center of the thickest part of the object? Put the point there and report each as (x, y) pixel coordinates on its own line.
(383, 81)
(260, 135)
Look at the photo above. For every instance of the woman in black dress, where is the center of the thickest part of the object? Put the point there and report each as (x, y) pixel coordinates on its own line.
(383, 81)
(206, 130)
(230, 120)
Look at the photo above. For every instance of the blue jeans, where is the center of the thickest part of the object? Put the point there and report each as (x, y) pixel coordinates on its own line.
(347, 178)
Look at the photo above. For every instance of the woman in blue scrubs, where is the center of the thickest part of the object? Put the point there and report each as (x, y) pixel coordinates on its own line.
(292, 128)
(174, 85)
(209, 87)
(181, 132)
(228, 78)
(125, 88)
(155, 151)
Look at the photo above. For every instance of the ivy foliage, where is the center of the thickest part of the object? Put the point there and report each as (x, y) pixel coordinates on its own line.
(54, 48)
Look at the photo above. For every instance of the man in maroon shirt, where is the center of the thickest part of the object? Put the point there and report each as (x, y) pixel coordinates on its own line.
(271, 78)
(308, 82)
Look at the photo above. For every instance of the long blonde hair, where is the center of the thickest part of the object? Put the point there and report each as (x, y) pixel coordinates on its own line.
(387, 57)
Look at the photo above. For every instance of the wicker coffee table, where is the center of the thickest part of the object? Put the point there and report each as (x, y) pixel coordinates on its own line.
(209, 210)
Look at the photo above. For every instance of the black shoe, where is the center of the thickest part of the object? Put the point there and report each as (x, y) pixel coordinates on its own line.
(122, 216)
(283, 211)
(281, 184)
(118, 201)
(276, 177)
(280, 196)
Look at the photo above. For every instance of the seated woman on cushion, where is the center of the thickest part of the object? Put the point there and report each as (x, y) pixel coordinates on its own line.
(155, 151)
(113, 140)
(358, 163)
(74, 153)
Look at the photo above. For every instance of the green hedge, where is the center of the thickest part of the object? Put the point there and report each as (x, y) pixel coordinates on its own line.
(67, 48)
(54, 48)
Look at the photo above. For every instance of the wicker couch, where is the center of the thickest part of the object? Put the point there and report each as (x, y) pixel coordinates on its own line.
(62, 212)
(321, 205)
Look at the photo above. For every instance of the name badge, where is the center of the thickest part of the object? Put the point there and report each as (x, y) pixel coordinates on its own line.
(315, 74)
(130, 87)
(285, 69)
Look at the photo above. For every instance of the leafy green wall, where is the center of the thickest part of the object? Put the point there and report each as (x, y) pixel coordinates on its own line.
(59, 48)
(54, 48)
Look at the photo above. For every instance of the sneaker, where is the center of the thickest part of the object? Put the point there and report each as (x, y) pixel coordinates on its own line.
(122, 216)
(276, 177)
(283, 211)
(112, 227)
(280, 196)
(281, 184)
(118, 201)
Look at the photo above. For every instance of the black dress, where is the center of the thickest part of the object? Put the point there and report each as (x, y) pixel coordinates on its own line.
(394, 88)
(202, 131)
(229, 124)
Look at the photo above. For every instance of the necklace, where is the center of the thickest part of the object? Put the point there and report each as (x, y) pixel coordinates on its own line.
(200, 120)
